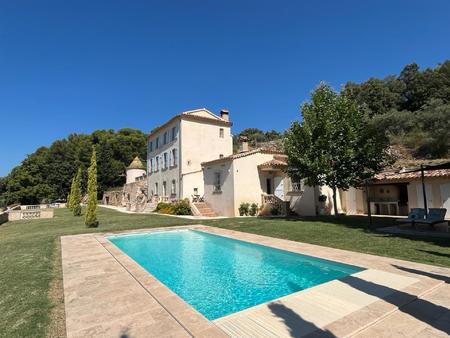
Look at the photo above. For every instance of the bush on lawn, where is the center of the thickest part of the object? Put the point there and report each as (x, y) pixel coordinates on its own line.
(182, 208)
(244, 209)
(253, 209)
(178, 208)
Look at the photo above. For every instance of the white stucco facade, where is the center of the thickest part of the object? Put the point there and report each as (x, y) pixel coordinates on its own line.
(389, 193)
(177, 149)
(247, 177)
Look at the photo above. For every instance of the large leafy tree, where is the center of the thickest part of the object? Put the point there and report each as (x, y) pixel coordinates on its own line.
(334, 145)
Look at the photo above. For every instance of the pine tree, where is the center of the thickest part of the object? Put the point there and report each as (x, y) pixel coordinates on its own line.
(91, 212)
(75, 199)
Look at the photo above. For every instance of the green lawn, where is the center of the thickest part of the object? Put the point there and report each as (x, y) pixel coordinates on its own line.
(29, 254)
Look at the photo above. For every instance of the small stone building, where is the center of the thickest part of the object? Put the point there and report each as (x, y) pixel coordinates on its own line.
(133, 195)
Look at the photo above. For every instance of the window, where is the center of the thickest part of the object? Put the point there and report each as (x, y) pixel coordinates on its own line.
(174, 158)
(173, 189)
(165, 161)
(164, 192)
(221, 156)
(150, 146)
(174, 133)
(165, 137)
(221, 132)
(157, 163)
(157, 143)
(217, 183)
(156, 189)
(151, 166)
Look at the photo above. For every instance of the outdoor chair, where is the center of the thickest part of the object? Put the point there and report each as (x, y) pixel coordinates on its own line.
(415, 215)
(435, 216)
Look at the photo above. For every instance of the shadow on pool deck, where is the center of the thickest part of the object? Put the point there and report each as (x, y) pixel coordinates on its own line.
(418, 308)
(296, 325)
(443, 278)
(422, 310)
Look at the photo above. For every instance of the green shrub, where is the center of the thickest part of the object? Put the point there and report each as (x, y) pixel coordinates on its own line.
(253, 209)
(275, 211)
(182, 208)
(244, 209)
(163, 205)
(178, 208)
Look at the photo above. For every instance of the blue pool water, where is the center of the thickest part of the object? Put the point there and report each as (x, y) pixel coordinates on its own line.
(218, 276)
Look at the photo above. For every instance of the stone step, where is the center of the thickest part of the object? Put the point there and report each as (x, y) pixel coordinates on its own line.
(204, 209)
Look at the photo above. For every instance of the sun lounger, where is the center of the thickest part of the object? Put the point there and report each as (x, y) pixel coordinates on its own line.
(435, 216)
(415, 215)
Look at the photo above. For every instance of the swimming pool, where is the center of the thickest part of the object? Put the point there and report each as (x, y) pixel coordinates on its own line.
(218, 275)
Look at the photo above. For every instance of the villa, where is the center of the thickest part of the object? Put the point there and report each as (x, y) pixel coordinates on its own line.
(191, 157)
(178, 147)
(258, 176)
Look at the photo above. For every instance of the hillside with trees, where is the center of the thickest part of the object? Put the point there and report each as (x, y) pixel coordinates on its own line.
(47, 173)
(413, 108)
(259, 138)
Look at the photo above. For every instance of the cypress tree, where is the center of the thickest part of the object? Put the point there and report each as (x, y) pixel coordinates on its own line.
(75, 199)
(69, 197)
(91, 212)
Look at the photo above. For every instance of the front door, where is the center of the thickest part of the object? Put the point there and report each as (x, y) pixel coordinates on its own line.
(279, 187)
(269, 186)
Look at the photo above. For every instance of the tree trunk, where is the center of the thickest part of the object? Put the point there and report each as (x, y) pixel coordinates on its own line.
(335, 203)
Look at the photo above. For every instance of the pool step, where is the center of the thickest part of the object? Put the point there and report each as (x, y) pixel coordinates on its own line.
(203, 209)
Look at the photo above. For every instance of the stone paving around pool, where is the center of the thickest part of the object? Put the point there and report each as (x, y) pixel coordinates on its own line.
(107, 294)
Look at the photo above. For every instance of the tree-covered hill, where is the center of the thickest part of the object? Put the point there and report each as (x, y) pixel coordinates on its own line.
(413, 107)
(258, 138)
(46, 174)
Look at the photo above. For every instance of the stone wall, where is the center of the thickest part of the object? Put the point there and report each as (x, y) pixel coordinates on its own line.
(133, 196)
(17, 215)
(113, 197)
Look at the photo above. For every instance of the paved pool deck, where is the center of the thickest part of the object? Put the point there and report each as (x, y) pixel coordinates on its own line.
(107, 294)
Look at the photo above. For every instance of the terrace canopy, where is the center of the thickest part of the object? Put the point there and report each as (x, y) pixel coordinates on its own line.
(422, 169)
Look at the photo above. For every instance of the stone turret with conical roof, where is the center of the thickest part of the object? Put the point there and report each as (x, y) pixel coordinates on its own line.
(135, 169)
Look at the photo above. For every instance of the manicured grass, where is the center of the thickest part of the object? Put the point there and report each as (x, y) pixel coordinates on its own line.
(29, 250)
(349, 233)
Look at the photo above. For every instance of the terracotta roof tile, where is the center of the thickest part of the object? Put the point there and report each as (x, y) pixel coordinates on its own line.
(243, 154)
(398, 176)
(275, 163)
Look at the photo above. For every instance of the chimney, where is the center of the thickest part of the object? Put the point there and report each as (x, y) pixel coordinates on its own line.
(225, 114)
(243, 139)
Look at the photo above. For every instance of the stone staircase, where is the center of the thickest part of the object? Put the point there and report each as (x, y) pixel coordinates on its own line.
(202, 209)
(150, 206)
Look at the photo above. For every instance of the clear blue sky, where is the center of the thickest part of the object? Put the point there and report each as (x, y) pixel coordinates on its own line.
(77, 66)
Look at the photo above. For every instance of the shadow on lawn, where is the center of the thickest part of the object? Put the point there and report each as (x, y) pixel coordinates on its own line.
(362, 223)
